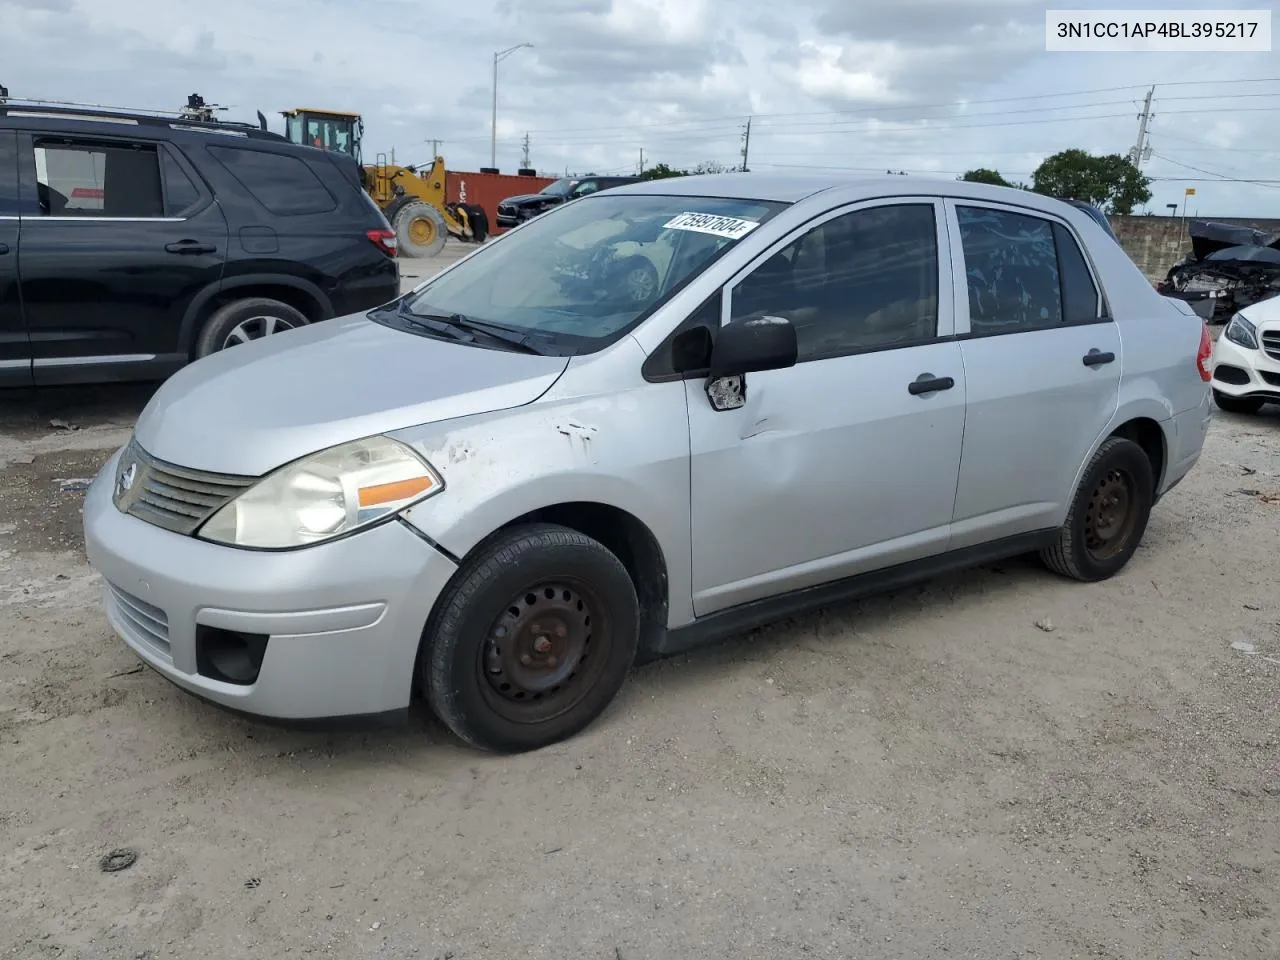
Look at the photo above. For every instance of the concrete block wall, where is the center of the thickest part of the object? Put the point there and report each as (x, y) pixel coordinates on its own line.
(1156, 243)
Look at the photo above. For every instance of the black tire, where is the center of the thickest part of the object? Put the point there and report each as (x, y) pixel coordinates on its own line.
(558, 597)
(479, 221)
(244, 320)
(1237, 404)
(1094, 544)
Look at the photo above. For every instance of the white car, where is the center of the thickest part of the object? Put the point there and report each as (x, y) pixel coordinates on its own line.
(1246, 359)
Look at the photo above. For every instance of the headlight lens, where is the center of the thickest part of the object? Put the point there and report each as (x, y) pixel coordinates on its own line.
(1242, 333)
(325, 495)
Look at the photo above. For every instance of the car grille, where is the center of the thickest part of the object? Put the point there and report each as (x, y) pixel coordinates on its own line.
(1271, 344)
(169, 496)
(506, 210)
(149, 624)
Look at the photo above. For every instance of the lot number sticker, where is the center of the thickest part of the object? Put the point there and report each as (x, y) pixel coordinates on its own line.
(731, 228)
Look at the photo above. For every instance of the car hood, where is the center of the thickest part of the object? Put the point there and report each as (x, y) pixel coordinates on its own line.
(525, 198)
(254, 407)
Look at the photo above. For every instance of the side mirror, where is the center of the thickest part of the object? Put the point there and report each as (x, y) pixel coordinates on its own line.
(754, 343)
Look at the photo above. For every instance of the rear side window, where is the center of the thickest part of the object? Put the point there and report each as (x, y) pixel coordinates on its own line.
(8, 174)
(84, 179)
(180, 194)
(1023, 273)
(281, 183)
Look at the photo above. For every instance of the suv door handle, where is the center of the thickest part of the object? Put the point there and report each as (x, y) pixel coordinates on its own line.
(928, 383)
(1096, 358)
(4, 248)
(190, 247)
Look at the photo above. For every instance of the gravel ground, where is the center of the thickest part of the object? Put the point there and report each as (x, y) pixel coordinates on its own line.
(996, 764)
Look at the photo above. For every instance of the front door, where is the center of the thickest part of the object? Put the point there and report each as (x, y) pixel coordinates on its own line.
(1043, 361)
(846, 462)
(123, 236)
(15, 347)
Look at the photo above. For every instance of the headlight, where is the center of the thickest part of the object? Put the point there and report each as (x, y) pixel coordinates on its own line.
(1242, 333)
(325, 495)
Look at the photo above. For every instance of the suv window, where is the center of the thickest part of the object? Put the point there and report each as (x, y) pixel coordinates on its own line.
(180, 193)
(861, 281)
(1023, 272)
(280, 182)
(83, 179)
(585, 187)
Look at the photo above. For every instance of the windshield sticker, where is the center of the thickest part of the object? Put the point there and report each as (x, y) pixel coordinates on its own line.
(731, 228)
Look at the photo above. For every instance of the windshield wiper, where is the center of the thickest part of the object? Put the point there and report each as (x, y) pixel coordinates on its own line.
(495, 331)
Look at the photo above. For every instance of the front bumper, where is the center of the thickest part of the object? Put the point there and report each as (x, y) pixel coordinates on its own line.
(343, 620)
(1240, 372)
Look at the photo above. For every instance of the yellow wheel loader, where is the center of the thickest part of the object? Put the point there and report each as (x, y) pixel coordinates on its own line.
(412, 199)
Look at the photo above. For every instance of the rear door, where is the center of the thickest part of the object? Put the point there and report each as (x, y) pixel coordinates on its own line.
(1042, 362)
(123, 236)
(15, 346)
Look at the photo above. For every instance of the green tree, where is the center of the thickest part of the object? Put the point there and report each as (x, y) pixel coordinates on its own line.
(1111, 182)
(661, 171)
(983, 175)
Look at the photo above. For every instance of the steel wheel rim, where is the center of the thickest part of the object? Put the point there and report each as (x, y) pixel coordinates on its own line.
(422, 230)
(1111, 515)
(255, 328)
(544, 651)
(640, 283)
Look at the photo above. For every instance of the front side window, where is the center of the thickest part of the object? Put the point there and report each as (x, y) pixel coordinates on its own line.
(1023, 273)
(579, 277)
(864, 280)
(587, 186)
(97, 180)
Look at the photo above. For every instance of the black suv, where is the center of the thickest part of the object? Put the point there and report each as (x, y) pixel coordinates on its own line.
(516, 210)
(131, 244)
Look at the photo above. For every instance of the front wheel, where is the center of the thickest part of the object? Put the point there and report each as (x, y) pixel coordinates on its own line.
(532, 639)
(1237, 404)
(1108, 514)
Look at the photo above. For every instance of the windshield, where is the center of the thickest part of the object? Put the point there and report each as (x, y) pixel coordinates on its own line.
(560, 188)
(578, 277)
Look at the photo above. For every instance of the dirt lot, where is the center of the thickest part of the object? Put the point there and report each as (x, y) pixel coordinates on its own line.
(998, 764)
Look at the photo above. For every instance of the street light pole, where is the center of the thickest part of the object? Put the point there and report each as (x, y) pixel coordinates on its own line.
(493, 130)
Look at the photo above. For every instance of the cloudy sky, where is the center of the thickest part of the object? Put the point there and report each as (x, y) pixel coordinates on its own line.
(925, 86)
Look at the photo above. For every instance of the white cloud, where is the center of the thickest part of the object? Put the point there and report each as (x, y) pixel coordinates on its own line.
(915, 79)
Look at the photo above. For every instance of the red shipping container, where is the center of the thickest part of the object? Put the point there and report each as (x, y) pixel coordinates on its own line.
(489, 189)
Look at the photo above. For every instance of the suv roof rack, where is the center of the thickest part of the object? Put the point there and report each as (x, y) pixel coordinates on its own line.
(196, 116)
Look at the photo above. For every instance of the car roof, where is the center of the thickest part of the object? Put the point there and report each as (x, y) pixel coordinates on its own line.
(92, 120)
(795, 187)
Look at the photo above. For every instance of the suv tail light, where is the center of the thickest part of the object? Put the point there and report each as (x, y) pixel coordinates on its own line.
(1204, 354)
(383, 239)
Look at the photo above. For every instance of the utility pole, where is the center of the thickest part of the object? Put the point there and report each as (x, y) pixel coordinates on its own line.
(524, 155)
(493, 131)
(640, 169)
(746, 144)
(435, 149)
(1141, 150)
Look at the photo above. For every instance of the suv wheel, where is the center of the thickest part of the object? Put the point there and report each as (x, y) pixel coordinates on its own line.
(1237, 404)
(1108, 514)
(420, 230)
(532, 640)
(244, 320)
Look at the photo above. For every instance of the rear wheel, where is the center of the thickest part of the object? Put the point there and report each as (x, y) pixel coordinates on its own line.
(532, 640)
(1237, 404)
(1108, 514)
(241, 321)
(420, 229)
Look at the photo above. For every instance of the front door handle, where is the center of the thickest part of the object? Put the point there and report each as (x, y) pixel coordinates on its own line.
(190, 247)
(1096, 358)
(928, 383)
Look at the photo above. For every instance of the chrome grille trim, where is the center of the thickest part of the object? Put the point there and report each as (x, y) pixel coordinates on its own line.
(166, 495)
(150, 624)
(1270, 341)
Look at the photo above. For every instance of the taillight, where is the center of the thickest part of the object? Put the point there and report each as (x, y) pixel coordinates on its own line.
(384, 240)
(1204, 354)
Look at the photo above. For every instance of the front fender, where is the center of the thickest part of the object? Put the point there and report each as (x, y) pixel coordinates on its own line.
(628, 450)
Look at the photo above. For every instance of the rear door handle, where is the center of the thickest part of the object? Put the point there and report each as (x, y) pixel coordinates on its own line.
(1096, 358)
(928, 383)
(4, 248)
(190, 247)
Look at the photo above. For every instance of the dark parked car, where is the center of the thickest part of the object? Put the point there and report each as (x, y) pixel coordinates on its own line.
(131, 244)
(516, 210)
